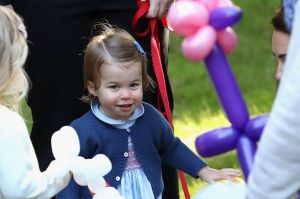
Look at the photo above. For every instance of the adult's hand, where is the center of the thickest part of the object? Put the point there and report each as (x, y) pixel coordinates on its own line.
(159, 8)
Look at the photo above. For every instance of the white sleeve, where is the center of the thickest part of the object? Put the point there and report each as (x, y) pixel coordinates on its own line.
(20, 176)
(276, 171)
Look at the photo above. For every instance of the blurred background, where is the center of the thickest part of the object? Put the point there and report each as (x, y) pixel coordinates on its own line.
(197, 108)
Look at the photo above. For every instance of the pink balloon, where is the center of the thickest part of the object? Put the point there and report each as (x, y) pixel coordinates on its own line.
(227, 40)
(225, 3)
(209, 4)
(186, 17)
(196, 47)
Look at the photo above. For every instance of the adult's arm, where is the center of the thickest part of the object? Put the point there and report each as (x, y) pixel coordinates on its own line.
(276, 171)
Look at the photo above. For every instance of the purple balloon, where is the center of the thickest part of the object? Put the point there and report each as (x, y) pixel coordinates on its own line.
(217, 141)
(246, 150)
(227, 88)
(255, 127)
(223, 17)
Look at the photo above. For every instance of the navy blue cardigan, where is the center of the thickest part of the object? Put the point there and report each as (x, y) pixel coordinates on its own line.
(152, 139)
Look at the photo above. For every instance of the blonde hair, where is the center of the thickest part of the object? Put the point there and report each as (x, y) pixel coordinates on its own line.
(13, 53)
(116, 45)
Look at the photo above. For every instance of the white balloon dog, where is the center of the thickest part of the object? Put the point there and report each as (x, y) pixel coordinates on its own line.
(86, 172)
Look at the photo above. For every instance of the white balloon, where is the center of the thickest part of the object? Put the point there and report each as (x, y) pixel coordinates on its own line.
(93, 170)
(108, 193)
(97, 196)
(223, 189)
(96, 185)
(102, 161)
(65, 143)
(58, 168)
(79, 168)
(98, 166)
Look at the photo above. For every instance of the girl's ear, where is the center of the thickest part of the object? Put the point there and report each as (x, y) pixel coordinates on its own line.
(91, 88)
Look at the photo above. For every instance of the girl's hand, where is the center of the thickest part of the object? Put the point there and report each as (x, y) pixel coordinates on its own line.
(210, 175)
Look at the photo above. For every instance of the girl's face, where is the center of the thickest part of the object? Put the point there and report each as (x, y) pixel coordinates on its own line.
(120, 90)
(280, 42)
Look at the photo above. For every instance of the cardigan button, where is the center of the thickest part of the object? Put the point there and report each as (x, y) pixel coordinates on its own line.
(118, 178)
(126, 154)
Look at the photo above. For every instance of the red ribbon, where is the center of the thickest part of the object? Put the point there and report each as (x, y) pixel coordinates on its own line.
(152, 28)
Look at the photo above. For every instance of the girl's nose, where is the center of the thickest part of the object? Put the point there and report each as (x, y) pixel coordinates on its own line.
(125, 93)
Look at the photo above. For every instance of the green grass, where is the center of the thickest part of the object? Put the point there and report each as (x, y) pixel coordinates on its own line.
(26, 113)
(197, 108)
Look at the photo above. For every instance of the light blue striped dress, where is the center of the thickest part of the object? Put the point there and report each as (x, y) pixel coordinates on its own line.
(134, 182)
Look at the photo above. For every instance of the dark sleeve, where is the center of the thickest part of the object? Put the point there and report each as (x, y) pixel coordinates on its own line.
(88, 144)
(5, 2)
(177, 154)
(71, 191)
